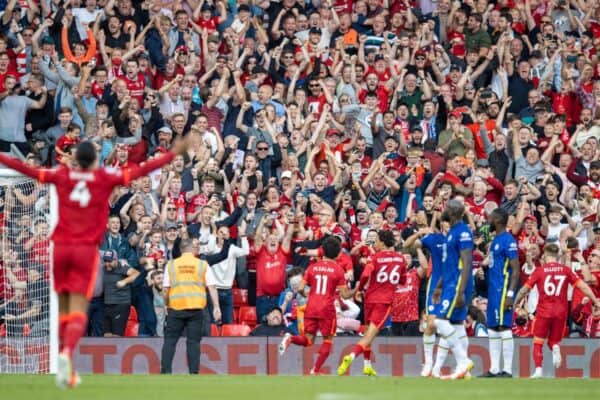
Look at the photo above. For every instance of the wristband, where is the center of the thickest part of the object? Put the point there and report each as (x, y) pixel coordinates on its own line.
(510, 293)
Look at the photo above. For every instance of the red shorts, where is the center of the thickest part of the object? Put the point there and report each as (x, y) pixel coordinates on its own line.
(552, 329)
(327, 326)
(75, 268)
(377, 313)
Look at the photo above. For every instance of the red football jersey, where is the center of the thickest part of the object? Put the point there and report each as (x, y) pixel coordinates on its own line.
(270, 272)
(405, 306)
(83, 195)
(324, 278)
(385, 271)
(552, 281)
(136, 88)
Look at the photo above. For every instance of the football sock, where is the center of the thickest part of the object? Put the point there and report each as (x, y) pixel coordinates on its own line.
(357, 351)
(446, 329)
(74, 331)
(63, 320)
(324, 352)
(508, 346)
(428, 343)
(463, 338)
(538, 354)
(300, 341)
(440, 357)
(495, 350)
(367, 356)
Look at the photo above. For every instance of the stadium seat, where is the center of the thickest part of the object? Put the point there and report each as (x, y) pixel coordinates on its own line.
(132, 328)
(236, 314)
(235, 330)
(240, 297)
(133, 314)
(214, 330)
(248, 316)
(3, 330)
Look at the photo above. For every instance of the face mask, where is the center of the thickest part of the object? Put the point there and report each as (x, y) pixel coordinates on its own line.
(116, 61)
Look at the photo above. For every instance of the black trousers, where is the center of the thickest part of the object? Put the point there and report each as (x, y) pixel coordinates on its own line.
(407, 328)
(178, 320)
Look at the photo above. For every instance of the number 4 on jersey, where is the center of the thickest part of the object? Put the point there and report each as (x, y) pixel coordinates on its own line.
(80, 194)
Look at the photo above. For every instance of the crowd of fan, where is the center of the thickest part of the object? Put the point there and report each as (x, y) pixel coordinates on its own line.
(315, 118)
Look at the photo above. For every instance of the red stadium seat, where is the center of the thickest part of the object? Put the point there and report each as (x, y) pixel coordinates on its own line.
(236, 314)
(132, 328)
(214, 330)
(3, 330)
(240, 297)
(133, 314)
(235, 330)
(248, 316)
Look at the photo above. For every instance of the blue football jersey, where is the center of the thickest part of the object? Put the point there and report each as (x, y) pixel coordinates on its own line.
(459, 238)
(434, 242)
(502, 250)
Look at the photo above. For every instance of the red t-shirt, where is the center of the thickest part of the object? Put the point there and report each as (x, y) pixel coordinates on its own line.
(324, 278)
(386, 270)
(63, 143)
(270, 272)
(136, 88)
(405, 305)
(552, 281)
(83, 195)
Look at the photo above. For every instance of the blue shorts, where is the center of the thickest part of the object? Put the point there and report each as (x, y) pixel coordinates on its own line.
(495, 315)
(447, 309)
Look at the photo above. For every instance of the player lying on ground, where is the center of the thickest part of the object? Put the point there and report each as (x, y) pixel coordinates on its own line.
(552, 281)
(383, 273)
(83, 191)
(324, 277)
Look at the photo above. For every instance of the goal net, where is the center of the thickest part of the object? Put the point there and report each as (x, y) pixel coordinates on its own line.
(28, 306)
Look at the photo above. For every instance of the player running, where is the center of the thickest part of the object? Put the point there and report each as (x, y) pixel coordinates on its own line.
(383, 273)
(83, 193)
(456, 287)
(325, 277)
(434, 243)
(502, 279)
(552, 281)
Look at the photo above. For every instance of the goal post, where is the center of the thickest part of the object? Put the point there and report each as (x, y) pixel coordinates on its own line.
(28, 305)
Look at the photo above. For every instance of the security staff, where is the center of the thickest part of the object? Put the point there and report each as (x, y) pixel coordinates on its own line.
(184, 290)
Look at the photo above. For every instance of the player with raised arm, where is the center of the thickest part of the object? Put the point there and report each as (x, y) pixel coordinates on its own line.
(456, 287)
(434, 242)
(502, 280)
(383, 273)
(83, 193)
(552, 280)
(324, 277)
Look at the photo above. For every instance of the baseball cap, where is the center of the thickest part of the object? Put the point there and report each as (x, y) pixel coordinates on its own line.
(455, 113)
(170, 225)
(48, 40)
(333, 132)
(165, 129)
(455, 67)
(530, 218)
(315, 31)
(286, 174)
(110, 255)
(182, 49)
(379, 57)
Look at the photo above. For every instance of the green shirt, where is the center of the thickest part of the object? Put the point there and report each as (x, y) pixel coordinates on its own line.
(457, 146)
(478, 40)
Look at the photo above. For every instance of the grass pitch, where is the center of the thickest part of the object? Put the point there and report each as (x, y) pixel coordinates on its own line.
(178, 387)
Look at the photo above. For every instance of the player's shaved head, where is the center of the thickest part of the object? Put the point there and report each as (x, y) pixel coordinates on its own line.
(499, 217)
(85, 154)
(331, 247)
(387, 238)
(453, 211)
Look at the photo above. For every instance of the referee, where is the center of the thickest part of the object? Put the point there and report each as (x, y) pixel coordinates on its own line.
(184, 290)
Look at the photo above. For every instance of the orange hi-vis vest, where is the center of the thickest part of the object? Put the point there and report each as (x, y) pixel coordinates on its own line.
(187, 276)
